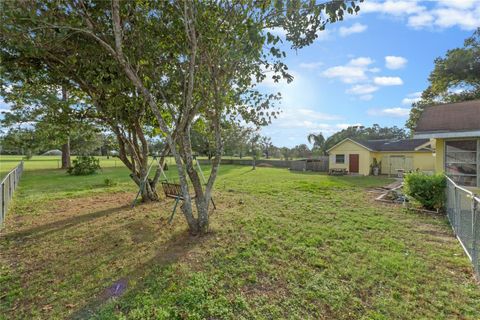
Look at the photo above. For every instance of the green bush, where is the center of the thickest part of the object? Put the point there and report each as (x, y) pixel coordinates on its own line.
(109, 182)
(84, 165)
(428, 190)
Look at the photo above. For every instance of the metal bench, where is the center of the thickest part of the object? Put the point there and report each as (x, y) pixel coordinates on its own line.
(337, 172)
(174, 191)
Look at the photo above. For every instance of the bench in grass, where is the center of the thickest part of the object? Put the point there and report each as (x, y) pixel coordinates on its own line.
(174, 191)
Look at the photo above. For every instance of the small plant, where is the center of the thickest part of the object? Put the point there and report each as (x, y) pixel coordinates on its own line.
(84, 165)
(428, 190)
(109, 182)
(375, 167)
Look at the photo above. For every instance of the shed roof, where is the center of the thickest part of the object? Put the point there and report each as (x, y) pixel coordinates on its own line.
(389, 145)
(393, 145)
(449, 117)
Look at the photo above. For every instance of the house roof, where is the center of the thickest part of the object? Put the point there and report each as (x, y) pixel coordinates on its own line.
(393, 145)
(450, 117)
(389, 145)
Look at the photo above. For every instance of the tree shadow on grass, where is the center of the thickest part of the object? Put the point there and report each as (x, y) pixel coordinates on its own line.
(171, 252)
(60, 225)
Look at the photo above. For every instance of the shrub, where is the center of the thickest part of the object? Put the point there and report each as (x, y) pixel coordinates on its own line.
(84, 165)
(428, 190)
(110, 182)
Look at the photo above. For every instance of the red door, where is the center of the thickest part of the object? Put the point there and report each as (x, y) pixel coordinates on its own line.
(353, 163)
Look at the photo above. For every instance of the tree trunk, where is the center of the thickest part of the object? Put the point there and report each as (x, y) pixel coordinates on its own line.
(66, 163)
(149, 192)
(202, 208)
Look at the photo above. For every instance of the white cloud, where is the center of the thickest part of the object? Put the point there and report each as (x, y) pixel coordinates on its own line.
(459, 4)
(390, 112)
(391, 7)
(310, 65)
(353, 72)
(418, 21)
(411, 98)
(362, 89)
(361, 61)
(355, 28)
(464, 14)
(347, 74)
(302, 117)
(465, 19)
(295, 119)
(388, 81)
(395, 62)
(366, 97)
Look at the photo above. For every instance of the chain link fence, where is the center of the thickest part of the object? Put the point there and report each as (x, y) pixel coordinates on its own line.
(463, 208)
(7, 187)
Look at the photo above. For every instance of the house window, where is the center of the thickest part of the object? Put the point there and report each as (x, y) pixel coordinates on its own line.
(340, 158)
(461, 161)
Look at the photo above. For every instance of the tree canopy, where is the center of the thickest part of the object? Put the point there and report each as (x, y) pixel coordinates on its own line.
(161, 67)
(454, 78)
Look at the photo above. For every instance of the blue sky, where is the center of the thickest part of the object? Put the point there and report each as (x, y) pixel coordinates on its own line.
(369, 68)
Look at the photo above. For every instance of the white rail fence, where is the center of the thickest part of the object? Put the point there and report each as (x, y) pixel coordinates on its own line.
(7, 187)
(463, 212)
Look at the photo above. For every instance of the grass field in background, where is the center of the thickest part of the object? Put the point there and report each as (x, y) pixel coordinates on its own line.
(7, 163)
(282, 245)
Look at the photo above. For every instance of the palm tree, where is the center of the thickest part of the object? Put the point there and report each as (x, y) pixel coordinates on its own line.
(318, 141)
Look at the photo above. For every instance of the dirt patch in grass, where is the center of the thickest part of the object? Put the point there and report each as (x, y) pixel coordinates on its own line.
(65, 213)
(84, 251)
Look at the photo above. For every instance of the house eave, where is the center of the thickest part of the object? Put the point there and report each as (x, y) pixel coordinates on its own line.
(446, 134)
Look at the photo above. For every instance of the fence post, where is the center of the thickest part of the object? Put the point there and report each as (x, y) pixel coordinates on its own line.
(2, 204)
(475, 227)
(454, 216)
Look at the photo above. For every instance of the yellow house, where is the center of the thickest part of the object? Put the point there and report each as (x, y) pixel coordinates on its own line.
(392, 156)
(454, 130)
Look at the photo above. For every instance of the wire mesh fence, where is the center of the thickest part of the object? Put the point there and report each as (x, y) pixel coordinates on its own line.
(462, 207)
(7, 187)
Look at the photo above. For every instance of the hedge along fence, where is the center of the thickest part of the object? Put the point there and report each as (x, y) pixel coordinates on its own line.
(320, 164)
(7, 187)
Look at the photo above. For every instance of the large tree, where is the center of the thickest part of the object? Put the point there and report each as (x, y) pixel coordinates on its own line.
(454, 78)
(183, 61)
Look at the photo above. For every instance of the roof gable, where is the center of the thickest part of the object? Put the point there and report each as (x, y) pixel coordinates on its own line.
(351, 140)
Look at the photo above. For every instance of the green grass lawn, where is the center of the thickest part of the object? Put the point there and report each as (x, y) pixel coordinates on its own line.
(7, 163)
(282, 245)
